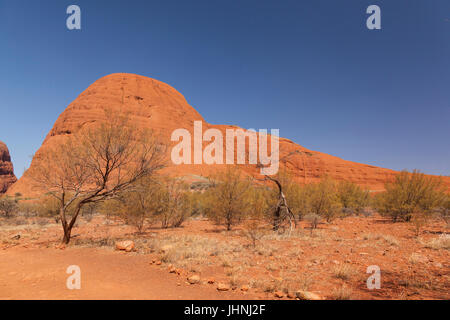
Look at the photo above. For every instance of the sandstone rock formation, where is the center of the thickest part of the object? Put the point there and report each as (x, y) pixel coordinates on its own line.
(156, 105)
(7, 176)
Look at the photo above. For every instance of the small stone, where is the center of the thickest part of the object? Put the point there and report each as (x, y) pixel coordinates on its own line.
(223, 287)
(126, 245)
(193, 279)
(172, 269)
(306, 295)
(158, 263)
(244, 288)
(278, 294)
(211, 280)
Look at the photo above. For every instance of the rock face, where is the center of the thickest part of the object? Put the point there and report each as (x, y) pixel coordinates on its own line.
(154, 104)
(7, 176)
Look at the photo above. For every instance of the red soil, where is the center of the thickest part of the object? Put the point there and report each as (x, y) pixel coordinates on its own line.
(41, 274)
(332, 263)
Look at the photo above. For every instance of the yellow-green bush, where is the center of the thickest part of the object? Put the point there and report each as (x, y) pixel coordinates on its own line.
(323, 199)
(8, 206)
(228, 200)
(352, 198)
(410, 193)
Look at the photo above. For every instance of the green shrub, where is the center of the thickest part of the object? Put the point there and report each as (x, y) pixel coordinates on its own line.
(408, 194)
(352, 198)
(228, 201)
(323, 200)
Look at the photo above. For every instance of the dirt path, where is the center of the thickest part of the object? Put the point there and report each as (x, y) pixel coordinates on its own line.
(41, 274)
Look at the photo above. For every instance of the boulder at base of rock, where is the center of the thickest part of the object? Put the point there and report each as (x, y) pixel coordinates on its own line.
(126, 245)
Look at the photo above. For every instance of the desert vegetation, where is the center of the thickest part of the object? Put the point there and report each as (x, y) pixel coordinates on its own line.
(411, 194)
(273, 236)
(95, 165)
(8, 206)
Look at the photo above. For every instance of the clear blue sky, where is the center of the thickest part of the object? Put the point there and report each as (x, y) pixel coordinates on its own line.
(310, 68)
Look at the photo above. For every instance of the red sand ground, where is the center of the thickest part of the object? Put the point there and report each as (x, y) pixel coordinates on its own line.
(41, 274)
(32, 267)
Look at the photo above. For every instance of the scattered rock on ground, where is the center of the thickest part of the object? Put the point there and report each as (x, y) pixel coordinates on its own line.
(126, 245)
(194, 279)
(172, 269)
(223, 286)
(306, 295)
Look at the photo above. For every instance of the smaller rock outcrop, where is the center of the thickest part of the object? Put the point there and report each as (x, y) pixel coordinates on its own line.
(7, 176)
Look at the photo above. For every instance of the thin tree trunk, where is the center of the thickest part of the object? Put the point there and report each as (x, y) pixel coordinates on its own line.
(66, 238)
(67, 228)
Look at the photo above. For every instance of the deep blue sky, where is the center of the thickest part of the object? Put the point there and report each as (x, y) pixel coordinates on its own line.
(310, 68)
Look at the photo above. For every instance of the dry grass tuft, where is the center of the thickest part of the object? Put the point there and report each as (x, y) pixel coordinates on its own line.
(390, 240)
(439, 243)
(342, 293)
(344, 271)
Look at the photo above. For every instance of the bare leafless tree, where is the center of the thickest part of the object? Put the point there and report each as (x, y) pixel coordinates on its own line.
(281, 213)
